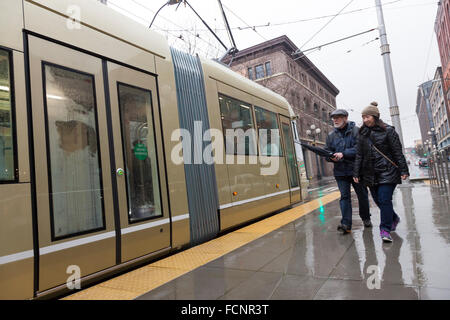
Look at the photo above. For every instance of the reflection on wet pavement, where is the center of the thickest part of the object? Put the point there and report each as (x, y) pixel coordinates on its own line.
(310, 259)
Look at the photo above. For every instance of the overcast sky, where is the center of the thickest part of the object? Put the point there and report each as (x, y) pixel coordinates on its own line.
(354, 66)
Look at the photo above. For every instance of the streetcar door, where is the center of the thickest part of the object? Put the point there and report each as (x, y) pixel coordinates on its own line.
(291, 161)
(141, 184)
(74, 202)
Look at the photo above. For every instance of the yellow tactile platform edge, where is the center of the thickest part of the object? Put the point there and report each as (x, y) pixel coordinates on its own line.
(135, 283)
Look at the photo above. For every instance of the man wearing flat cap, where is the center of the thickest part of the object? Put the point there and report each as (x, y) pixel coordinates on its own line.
(342, 142)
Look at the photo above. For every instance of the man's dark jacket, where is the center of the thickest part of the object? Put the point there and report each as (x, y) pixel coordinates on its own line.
(344, 141)
(373, 168)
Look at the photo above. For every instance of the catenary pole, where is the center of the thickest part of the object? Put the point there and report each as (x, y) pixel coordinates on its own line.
(385, 53)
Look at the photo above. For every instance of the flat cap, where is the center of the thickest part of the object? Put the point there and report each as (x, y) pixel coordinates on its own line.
(339, 112)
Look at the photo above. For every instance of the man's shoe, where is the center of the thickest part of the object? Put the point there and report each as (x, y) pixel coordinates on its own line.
(367, 223)
(394, 224)
(345, 229)
(385, 236)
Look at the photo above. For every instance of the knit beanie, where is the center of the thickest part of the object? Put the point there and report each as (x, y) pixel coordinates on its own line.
(371, 110)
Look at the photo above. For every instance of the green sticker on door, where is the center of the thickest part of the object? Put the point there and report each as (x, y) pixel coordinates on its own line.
(140, 151)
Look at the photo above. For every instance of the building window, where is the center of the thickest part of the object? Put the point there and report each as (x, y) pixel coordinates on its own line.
(268, 69)
(316, 108)
(259, 71)
(305, 104)
(324, 115)
(311, 84)
(7, 162)
(250, 73)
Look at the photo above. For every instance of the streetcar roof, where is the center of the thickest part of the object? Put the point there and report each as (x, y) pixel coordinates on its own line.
(224, 74)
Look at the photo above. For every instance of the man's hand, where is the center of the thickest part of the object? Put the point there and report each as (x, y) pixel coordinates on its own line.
(356, 180)
(338, 156)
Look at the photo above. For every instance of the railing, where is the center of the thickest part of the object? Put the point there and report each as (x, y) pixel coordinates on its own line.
(439, 168)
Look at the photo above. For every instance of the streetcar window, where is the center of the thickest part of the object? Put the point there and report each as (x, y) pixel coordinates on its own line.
(7, 167)
(75, 184)
(268, 132)
(290, 154)
(238, 126)
(138, 138)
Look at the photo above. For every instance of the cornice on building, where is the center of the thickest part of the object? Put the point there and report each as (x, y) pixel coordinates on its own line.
(290, 48)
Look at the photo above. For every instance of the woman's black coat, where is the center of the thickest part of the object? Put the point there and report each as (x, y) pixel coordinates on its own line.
(370, 166)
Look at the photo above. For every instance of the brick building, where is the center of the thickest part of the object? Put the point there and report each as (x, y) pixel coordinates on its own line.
(439, 110)
(310, 93)
(423, 110)
(442, 29)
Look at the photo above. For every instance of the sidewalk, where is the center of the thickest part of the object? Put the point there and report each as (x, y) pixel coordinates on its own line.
(309, 259)
(324, 182)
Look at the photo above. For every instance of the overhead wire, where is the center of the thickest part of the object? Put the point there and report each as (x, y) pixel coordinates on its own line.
(144, 21)
(326, 24)
(175, 24)
(428, 55)
(298, 51)
(364, 44)
(233, 13)
(271, 24)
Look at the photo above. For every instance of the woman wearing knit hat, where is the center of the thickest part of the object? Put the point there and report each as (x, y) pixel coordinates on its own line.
(380, 165)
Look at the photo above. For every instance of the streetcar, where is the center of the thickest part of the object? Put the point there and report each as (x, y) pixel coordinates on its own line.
(106, 139)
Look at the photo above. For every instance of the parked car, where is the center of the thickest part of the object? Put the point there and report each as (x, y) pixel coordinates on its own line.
(423, 162)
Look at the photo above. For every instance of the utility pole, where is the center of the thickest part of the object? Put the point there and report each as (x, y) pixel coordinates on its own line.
(385, 53)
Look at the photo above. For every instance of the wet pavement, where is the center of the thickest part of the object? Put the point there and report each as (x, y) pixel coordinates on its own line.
(415, 171)
(310, 259)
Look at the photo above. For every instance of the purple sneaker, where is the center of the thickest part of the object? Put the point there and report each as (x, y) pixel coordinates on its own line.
(394, 224)
(385, 236)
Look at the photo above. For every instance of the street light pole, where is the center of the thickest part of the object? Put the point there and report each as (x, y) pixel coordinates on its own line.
(313, 132)
(432, 134)
(385, 53)
(319, 176)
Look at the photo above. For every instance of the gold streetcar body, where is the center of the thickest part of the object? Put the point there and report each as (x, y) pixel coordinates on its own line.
(89, 103)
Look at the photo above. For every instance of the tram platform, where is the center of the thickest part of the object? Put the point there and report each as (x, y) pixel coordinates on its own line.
(298, 254)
